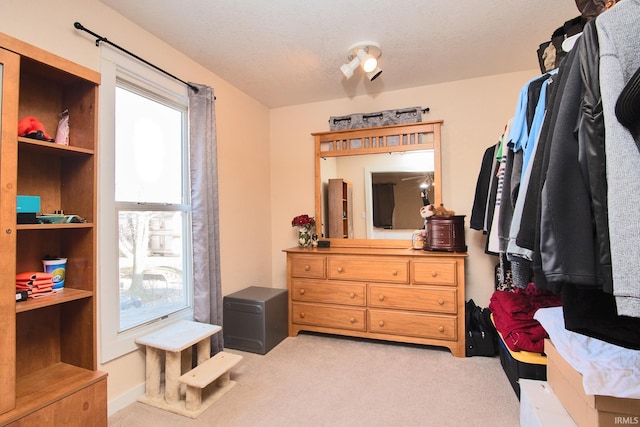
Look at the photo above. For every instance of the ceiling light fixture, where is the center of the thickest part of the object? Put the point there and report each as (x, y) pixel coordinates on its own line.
(365, 54)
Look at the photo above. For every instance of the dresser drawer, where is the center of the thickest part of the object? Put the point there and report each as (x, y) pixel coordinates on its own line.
(328, 292)
(372, 269)
(441, 300)
(328, 316)
(309, 266)
(434, 272)
(412, 324)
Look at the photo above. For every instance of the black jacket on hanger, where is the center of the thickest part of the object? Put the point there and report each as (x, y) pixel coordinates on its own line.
(572, 235)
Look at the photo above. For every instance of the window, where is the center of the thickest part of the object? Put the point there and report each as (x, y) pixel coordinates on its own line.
(152, 203)
(145, 249)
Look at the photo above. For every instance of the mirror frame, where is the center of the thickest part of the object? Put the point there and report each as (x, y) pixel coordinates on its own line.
(371, 141)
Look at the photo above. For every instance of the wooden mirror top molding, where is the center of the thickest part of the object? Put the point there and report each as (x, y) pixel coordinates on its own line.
(374, 140)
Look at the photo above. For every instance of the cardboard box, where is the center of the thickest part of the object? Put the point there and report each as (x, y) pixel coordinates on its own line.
(587, 410)
(540, 407)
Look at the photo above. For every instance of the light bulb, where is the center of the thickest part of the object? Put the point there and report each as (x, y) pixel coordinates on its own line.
(369, 63)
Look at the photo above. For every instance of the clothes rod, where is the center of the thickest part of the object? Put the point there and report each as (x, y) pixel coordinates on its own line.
(99, 39)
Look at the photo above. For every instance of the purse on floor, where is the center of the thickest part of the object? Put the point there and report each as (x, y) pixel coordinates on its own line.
(482, 337)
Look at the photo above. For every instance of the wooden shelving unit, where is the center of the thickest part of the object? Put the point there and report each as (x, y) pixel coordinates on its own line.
(340, 207)
(48, 356)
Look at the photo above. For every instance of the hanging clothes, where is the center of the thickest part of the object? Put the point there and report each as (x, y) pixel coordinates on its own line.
(619, 39)
(572, 201)
(483, 189)
(493, 244)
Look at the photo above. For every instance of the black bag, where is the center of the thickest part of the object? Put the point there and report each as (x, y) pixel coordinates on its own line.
(482, 337)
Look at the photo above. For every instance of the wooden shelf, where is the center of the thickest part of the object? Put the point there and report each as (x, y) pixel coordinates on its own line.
(61, 296)
(340, 209)
(52, 147)
(46, 386)
(48, 345)
(409, 137)
(54, 226)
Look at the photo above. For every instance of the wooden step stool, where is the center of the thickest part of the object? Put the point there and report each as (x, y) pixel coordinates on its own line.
(173, 340)
(217, 369)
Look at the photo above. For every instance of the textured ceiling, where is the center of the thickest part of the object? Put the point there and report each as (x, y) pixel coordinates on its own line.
(288, 52)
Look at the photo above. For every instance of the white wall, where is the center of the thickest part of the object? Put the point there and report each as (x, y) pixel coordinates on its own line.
(474, 113)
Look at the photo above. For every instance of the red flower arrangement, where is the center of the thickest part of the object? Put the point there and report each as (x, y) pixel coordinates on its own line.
(304, 221)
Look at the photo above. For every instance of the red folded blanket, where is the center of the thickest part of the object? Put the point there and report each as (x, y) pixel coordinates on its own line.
(33, 275)
(36, 283)
(513, 316)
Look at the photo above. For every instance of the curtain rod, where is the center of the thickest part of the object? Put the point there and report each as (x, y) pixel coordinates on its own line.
(99, 39)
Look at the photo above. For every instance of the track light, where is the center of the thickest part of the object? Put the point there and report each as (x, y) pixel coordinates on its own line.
(365, 54)
(369, 63)
(348, 69)
(371, 75)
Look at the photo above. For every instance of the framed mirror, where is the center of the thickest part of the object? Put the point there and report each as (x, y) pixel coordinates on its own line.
(402, 157)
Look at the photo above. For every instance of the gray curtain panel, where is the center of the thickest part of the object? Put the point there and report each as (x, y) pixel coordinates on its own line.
(205, 214)
(383, 205)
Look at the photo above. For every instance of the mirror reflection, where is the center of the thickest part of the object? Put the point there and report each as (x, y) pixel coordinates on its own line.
(386, 192)
(396, 199)
(346, 166)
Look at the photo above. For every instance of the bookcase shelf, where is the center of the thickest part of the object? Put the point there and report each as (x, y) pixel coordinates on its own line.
(43, 391)
(48, 345)
(54, 226)
(59, 297)
(52, 148)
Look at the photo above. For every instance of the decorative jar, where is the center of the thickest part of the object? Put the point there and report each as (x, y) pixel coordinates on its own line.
(304, 237)
(305, 224)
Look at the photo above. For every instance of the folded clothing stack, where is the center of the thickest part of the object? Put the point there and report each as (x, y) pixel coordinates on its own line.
(35, 283)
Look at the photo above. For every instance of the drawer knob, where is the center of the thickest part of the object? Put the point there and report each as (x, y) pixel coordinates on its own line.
(352, 320)
(394, 273)
(301, 291)
(307, 267)
(440, 328)
(441, 301)
(381, 323)
(434, 273)
(352, 295)
(381, 297)
(302, 315)
(340, 270)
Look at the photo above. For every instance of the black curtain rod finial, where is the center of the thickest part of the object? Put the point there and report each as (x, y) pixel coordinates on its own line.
(99, 39)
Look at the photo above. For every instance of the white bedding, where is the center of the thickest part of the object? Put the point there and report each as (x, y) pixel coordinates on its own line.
(606, 369)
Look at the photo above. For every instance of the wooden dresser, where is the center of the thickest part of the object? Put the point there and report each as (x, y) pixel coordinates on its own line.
(403, 295)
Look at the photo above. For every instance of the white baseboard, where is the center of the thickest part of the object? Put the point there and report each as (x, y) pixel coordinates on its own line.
(125, 399)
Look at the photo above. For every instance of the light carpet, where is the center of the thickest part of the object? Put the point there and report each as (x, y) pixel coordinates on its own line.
(322, 380)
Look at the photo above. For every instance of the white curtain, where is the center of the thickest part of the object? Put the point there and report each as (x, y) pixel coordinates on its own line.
(204, 198)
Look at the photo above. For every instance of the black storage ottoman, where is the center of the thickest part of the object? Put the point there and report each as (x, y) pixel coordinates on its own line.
(255, 319)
